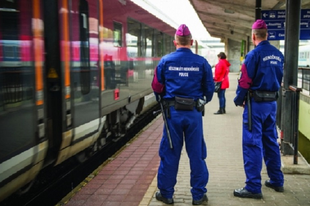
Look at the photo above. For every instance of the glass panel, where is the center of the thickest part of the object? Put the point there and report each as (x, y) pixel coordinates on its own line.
(143, 44)
(169, 47)
(149, 41)
(159, 44)
(84, 61)
(117, 34)
(149, 64)
(16, 77)
(84, 47)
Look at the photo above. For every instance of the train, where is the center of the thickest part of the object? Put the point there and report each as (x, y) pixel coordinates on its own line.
(304, 67)
(304, 55)
(74, 75)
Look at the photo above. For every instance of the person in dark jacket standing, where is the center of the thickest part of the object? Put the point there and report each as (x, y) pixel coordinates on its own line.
(261, 77)
(183, 83)
(221, 75)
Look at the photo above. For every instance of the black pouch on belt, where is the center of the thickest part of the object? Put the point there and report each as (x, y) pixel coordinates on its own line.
(265, 96)
(184, 104)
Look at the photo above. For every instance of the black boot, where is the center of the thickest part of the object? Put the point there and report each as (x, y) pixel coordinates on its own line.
(224, 110)
(220, 111)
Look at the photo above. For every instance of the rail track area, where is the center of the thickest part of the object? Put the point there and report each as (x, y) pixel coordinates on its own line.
(55, 183)
(129, 177)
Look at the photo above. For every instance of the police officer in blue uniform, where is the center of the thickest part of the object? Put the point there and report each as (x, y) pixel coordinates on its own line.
(257, 92)
(183, 82)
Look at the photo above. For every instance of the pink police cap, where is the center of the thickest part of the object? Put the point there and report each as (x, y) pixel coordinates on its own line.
(183, 30)
(259, 24)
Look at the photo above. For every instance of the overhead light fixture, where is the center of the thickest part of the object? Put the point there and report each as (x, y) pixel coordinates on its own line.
(228, 11)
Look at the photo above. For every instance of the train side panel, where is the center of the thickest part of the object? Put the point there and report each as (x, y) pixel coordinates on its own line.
(23, 144)
(100, 41)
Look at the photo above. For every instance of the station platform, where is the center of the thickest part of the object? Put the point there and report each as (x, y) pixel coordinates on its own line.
(129, 177)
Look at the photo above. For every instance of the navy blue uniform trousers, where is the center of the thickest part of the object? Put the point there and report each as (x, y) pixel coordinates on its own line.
(184, 126)
(261, 143)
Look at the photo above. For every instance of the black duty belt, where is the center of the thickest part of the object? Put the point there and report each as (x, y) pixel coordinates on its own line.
(180, 103)
(264, 96)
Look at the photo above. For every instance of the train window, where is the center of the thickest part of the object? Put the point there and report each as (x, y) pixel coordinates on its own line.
(132, 38)
(159, 37)
(172, 44)
(84, 47)
(166, 44)
(154, 44)
(17, 78)
(84, 59)
(169, 44)
(143, 41)
(117, 34)
(131, 42)
(302, 55)
(10, 13)
(9, 52)
(148, 41)
(139, 39)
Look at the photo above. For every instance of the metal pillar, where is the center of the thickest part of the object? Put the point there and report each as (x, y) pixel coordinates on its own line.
(248, 43)
(258, 9)
(258, 15)
(292, 31)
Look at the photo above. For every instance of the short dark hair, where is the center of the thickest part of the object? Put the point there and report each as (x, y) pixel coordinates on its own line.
(183, 40)
(222, 55)
(260, 33)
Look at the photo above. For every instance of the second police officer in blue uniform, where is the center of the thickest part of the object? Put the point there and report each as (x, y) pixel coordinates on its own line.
(261, 77)
(183, 83)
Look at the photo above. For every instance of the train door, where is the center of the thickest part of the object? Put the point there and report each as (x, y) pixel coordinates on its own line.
(22, 140)
(54, 78)
(73, 80)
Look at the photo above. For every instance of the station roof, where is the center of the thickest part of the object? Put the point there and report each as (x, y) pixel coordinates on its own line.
(228, 19)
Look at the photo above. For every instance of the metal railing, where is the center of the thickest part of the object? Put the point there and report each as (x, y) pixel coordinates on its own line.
(295, 117)
(293, 92)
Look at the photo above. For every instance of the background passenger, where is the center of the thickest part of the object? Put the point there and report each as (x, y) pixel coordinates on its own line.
(221, 75)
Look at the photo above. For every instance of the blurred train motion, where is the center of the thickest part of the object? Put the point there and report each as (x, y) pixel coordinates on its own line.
(74, 75)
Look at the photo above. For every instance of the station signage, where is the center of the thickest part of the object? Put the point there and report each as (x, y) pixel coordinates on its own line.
(275, 20)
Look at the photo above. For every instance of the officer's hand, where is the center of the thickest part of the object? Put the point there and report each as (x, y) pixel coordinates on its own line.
(241, 94)
(241, 105)
(157, 96)
(239, 101)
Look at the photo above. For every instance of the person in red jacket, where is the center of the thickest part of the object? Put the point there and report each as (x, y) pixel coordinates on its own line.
(221, 75)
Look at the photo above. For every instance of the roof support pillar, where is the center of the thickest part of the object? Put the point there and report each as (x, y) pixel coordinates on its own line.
(258, 9)
(292, 31)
